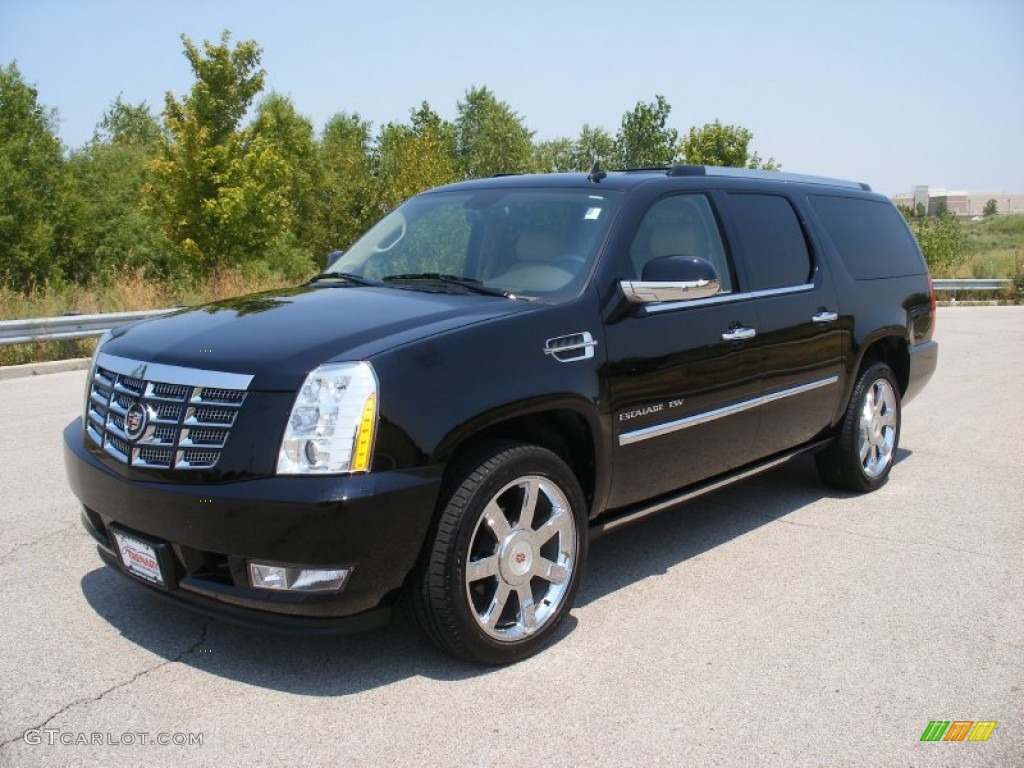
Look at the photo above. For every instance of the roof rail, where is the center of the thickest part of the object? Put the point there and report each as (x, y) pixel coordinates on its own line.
(758, 173)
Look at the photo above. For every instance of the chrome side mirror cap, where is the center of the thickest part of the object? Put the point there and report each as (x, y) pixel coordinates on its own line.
(673, 278)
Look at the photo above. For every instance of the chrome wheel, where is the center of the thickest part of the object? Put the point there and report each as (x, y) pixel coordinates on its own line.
(864, 448)
(521, 558)
(507, 556)
(877, 428)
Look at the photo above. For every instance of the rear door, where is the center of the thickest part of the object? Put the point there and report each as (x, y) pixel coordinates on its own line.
(798, 334)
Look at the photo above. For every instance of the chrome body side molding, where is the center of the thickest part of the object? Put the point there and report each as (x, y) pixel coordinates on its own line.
(657, 430)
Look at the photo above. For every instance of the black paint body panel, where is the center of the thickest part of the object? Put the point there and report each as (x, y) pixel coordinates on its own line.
(453, 365)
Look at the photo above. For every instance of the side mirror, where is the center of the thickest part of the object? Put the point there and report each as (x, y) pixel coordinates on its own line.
(333, 257)
(672, 278)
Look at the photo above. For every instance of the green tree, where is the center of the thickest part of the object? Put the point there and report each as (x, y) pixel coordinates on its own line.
(426, 122)
(346, 199)
(554, 156)
(593, 145)
(942, 239)
(221, 190)
(644, 140)
(723, 145)
(490, 137)
(127, 124)
(107, 227)
(991, 208)
(411, 158)
(290, 135)
(32, 185)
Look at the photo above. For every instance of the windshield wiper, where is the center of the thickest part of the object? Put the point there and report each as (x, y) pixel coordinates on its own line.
(348, 277)
(468, 283)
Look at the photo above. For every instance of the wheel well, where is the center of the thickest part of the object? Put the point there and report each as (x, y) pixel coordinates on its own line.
(563, 432)
(892, 351)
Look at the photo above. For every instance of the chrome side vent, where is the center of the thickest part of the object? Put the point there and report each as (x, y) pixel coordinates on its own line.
(568, 349)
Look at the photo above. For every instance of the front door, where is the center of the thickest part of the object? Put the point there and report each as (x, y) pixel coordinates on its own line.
(682, 377)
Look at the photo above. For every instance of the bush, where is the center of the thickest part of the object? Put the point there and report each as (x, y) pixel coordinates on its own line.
(943, 241)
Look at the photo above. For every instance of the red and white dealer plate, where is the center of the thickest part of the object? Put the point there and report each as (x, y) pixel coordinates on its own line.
(139, 558)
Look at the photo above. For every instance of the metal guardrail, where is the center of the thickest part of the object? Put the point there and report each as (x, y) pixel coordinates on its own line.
(84, 326)
(68, 326)
(984, 284)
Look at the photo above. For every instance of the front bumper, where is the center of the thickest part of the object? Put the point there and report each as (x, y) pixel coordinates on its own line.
(375, 524)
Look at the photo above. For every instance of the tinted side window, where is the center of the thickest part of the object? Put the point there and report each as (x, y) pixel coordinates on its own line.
(870, 235)
(777, 255)
(681, 225)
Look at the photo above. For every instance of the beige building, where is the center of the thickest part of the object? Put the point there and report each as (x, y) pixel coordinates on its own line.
(959, 202)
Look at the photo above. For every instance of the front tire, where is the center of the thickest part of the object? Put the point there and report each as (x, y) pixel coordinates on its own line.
(507, 557)
(864, 450)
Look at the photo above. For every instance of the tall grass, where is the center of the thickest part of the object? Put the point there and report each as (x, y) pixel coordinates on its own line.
(132, 292)
(995, 248)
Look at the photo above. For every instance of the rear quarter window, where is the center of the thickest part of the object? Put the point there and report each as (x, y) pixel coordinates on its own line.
(871, 237)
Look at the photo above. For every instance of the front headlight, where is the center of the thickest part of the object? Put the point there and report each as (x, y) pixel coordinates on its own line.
(332, 423)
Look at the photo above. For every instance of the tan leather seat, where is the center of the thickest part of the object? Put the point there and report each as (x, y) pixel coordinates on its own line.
(666, 240)
(534, 270)
(537, 246)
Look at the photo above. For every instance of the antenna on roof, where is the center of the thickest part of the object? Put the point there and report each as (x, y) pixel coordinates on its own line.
(596, 174)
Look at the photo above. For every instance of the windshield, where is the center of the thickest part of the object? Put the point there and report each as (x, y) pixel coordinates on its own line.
(528, 242)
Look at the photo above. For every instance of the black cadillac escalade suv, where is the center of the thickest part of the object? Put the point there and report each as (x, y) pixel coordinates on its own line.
(495, 372)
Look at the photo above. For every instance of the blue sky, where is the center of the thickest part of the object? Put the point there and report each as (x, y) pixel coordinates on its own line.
(894, 93)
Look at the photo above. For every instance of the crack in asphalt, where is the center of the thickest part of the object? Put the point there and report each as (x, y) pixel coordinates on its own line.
(125, 683)
(870, 537)
(43, 537)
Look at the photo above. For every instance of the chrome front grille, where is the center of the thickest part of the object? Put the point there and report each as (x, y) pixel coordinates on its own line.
(182, 417)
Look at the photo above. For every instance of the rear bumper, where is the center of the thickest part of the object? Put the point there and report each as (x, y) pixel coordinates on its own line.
(923, 360)
(206, 534)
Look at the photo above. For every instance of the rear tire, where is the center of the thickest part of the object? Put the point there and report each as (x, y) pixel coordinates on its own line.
(864, 450)
(506, 561)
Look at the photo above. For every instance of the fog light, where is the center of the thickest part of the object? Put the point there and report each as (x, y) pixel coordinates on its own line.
(295, 578)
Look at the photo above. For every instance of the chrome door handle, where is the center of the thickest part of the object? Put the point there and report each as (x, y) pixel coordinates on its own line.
(825, 317)
(739, 334)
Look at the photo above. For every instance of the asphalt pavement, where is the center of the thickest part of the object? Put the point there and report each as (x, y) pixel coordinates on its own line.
(774, 623)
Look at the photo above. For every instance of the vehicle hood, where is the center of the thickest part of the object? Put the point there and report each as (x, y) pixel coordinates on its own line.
(278, 337)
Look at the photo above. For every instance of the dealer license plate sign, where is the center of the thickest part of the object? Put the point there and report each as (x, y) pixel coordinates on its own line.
(139, 558)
